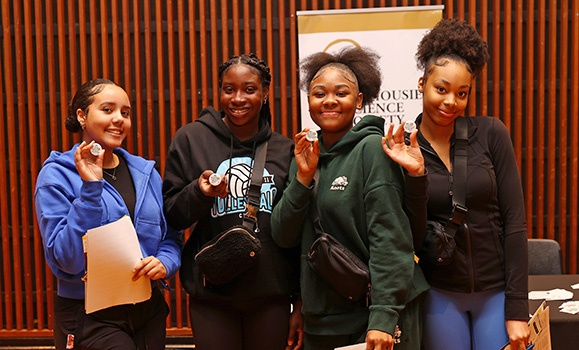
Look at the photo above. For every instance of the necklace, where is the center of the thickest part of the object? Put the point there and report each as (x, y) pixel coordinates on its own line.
(113, 175)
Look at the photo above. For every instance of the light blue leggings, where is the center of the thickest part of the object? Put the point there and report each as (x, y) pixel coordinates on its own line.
(457, 321)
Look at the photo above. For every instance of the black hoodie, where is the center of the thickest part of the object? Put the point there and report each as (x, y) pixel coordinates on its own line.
(207, 144)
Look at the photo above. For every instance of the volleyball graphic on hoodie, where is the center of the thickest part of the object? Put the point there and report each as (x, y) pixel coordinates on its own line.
(239, 179)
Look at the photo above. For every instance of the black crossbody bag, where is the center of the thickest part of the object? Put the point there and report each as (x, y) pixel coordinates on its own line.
(334, 263)
(236, 250)
(439, 244)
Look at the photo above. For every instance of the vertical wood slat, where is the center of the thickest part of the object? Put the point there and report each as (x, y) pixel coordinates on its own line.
(235, 27)
(270, 54)
(193, 65)
(540, 112)
(138, 83)
(560, 142)
(574, 135)
(294, 79)
(115, 36)
(213, 49)
(42, 136)
(484, 75)
(283, 93)
(104, 36)
(62, 66)
(528, 181)
(128, 62)
(158, 117)
(182, 54)
(495, 50)
(551, 122)
(28, 132)
(17, 244)
(149, 88)
(518, 81)
(8, 235)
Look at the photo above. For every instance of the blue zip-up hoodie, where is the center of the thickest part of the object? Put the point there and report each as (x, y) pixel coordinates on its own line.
(67, 206)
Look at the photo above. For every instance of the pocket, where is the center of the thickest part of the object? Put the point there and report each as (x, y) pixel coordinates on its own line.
(438, 247)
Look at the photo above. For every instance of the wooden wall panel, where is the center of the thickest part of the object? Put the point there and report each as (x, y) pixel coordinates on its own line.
(166, 55)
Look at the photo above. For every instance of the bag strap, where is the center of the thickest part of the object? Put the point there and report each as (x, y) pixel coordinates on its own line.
(459, 209)
(254, 191)
(314, 215)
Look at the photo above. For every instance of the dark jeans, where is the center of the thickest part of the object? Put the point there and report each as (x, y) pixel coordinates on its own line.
(125, 327)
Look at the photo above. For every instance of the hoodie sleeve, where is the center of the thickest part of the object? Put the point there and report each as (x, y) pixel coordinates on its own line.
(391, 260)
(64, 217)
(184, 203)
(289, 215)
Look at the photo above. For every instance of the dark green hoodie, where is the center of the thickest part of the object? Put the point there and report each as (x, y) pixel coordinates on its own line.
(360, 202)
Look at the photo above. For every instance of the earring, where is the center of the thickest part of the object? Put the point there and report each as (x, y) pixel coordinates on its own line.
(264, 100)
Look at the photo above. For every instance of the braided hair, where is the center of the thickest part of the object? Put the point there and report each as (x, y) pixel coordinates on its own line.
(259, 67)
(361, 64)
(452, 39)
(83, 98)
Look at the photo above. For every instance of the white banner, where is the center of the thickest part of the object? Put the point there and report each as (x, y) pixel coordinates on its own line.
(394, 33)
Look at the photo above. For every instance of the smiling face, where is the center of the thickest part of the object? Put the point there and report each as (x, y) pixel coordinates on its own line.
(333, 98)
(445, 92)
(242, 95)
(107, 120)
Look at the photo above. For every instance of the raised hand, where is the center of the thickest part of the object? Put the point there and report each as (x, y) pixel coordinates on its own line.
(408, 156)
(306, 154)
(89, 166)
(208, 189)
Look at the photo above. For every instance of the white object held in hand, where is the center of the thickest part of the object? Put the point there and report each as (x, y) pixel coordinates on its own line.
(311, 135)
(96, 149)
(214, 179)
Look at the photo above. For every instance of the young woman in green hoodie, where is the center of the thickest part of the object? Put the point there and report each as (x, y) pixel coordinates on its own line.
(363, 198)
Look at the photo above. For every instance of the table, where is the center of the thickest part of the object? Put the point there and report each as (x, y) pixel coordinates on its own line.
(564, 327)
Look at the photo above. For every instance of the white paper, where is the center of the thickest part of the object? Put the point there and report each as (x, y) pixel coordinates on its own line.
(569, 307)
(553, 294)
(361, 346)
(112, 252)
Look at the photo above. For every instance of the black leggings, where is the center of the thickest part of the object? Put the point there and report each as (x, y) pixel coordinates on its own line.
(123, 327)
(257, 324)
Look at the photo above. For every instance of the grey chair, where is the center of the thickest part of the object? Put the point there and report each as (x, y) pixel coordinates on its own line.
(544, 257)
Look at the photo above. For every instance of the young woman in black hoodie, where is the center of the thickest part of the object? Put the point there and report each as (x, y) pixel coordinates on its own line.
(253, 310)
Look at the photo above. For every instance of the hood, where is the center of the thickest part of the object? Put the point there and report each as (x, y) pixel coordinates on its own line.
(368, 125)
(64, 159)
(213, 120)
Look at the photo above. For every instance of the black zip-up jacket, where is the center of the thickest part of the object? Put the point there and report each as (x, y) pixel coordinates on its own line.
(492, 253)
(205, 144)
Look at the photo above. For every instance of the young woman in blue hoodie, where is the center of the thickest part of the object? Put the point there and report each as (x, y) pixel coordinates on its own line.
(79, 190)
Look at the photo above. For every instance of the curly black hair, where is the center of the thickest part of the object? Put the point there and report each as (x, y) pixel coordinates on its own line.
(453, 39)
(259, 67)
(361, 63)
(83, 98)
